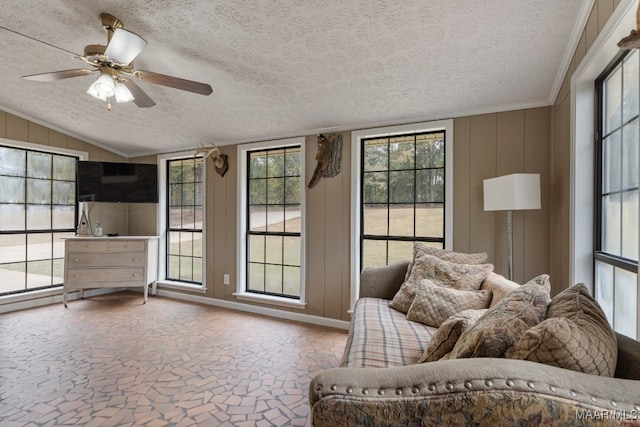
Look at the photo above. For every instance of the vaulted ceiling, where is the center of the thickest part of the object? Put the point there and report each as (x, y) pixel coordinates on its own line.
(287, 68)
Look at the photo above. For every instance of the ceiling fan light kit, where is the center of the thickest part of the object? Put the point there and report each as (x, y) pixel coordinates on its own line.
(113, 60)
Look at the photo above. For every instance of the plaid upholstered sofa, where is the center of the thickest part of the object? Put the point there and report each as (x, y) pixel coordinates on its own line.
(380, 382)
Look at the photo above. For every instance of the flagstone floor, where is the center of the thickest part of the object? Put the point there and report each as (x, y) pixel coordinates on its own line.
(111, 361)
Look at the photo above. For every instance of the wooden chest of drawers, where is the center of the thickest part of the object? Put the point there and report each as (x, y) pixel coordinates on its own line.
(110, 262)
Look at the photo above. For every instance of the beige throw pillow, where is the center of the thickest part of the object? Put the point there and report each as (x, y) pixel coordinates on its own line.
(504, 323)
(443, 273)
(421, 248)
(434, 304)
(576, 335)
(445, 338)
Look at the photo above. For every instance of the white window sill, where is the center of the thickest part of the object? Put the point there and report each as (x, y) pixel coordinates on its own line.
(171, 284)
(270, 299)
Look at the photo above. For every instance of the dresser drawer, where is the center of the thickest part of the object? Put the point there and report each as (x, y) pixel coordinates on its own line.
(106, 260)
(126, 246)
(93, 246)
(100, 276)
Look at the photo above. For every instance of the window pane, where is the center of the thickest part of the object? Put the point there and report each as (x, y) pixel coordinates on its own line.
(291, 250)
(275, 218)
(399, 251)
(12, 248)
(64, 193)
(430, 186)
(12, 161)
(291, 281)
(292, 166)
(13, 277)
(401, 220)
(38, 217)
(258, 192)
(64, 168)
(630, 158)
(292, 191)
(275, 191)
(175, 195)
(401, 186)
(611, 224)
(401, 153)
(257, 218)
(374, 253)
(188, 214)
(611, 163)
(58, 272)
(11, 190)
(613, 96)
(186, 269)
(273, 250)
(376, 155)
(430, 150)
(631, 89)
(430, 220)
(258, 164)
(293, 219)
(604, 288)
(275, 163)
(629, 229)
(375, 187)
(39, 273)
(626, 303)
(13, 217)
(256, 277)
(273, 279)
(39, 165)
(256, 248)
(39, 246)
(375, 220)
(38, 191)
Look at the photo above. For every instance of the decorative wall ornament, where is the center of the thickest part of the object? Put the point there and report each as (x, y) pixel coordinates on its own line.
(632, 41)
(329, 157)
(220, 161)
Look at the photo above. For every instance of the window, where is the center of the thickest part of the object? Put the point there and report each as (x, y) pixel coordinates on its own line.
(184, 214)
(402, 179)
(616, 202)
(38, 208)
(271, 225)
(402, 192)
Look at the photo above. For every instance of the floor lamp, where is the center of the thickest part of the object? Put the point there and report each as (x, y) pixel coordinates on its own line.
(518, 191)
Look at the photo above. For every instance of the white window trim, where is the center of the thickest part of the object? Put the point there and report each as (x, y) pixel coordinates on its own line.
(162, 160)
(241, 273)
(583, 96)
(82, 155)
(356, 138)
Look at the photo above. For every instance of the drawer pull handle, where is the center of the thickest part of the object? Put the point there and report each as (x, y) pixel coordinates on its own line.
(135, 274)
(136, 258)
(76, 259)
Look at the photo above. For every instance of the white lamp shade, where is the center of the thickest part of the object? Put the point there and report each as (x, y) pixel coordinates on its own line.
(517, 191)
(123, 94)
(102, 88)
(124, 46)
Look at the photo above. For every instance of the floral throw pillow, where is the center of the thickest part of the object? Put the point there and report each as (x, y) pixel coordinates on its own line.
(443, 273)
(434, 304)
(506, 322)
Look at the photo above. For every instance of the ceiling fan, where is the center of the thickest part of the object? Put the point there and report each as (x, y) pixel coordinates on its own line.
(114, 62)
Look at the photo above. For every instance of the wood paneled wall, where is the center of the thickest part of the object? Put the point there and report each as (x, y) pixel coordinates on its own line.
(560, 250)
(490, 145)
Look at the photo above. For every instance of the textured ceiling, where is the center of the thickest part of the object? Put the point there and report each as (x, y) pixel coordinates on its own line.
(283, 68)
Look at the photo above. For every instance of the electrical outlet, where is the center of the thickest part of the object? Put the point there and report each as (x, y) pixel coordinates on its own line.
(226, 279)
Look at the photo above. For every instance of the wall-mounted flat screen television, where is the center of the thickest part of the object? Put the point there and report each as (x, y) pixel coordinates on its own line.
(117, 182)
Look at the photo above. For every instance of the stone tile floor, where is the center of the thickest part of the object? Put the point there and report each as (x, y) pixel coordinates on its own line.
(111, 361)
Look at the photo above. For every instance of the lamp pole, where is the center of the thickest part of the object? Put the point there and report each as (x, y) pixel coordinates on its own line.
(510, 241)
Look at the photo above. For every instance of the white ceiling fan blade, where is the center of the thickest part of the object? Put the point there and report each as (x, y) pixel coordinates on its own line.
(140, 98)
(124, 46)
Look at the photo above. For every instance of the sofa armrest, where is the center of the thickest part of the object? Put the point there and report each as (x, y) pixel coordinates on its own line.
(479, 391)
(382, 282)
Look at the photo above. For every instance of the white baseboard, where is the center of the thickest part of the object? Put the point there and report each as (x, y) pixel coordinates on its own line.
(35, 299)
(54, 296)
(265, 311)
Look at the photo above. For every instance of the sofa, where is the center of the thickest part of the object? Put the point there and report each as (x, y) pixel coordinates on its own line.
(380, 383)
